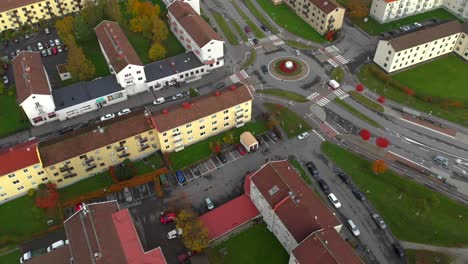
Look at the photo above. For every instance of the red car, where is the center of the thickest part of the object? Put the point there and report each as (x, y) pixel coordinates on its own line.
(168, 218)
(54, 50)
(241, 150)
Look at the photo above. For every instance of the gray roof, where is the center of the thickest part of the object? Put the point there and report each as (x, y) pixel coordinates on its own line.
(167, 67)
(84, 91)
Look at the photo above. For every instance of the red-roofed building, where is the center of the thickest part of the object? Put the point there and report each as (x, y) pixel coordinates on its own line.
(230, 216)
(20, 169)
(285, 200)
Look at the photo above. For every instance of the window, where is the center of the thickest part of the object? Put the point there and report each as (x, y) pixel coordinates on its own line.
(52, 167)
(226, 111)
(189, 132)
(44, 179)
(202, 127)
(15, 182)
(102, 164)
(138, 72)
(167, 147)
(29, 177)
(164, 134)
(25, 170)
(166, 140)
(37, 166)
(226, 124)
(20, 188)
(141, 78)
(188, 125)
(112, 153)
(56, 174)
(109, 147)
(60, 180)
(96, 151)
(190, 138)
(226, 118)
(213, 116)
(214, 129)
(114, 160)
(389, 52)
(11, 175)
(214, 122)
(201, 120)
(40, 173)
(385, 64)
(202, 133)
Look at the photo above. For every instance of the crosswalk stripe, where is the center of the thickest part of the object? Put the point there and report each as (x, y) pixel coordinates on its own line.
(318, 135)
(324, 101)
(313, 96)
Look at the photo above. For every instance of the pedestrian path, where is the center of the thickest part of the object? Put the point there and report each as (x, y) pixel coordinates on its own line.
(276, 40)
(328, 129)
(340, 94)
(318, 135)
(323, 101)
(239, 76)
(313, 96)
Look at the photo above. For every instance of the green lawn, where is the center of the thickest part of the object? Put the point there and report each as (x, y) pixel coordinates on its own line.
(239, 30)
(301, 170)
(414, 256)
(413, 212)
(12, 118)
(252, 246)
(93, 52)
(222, 23)
(12, 257)
(284, 94)
(356, 112)
(297, 44)
(451, 114)
(250, 60)
(256, 30)
(337, 74)
(374, 28)
(259, 15)
(90, 184)
(373, 105)
(286, 18)
(149, 164)
(289, 121)
(201, 150)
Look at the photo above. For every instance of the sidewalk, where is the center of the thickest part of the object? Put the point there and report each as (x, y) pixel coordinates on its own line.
(460, 255)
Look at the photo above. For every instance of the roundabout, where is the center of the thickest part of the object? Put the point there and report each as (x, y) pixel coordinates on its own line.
(288, 69)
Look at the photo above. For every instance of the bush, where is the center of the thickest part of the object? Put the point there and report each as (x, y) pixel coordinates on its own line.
(31, 192)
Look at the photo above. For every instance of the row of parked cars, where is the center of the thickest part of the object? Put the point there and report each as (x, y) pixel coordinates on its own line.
(29, 255)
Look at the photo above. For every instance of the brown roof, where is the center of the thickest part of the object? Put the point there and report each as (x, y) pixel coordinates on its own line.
(87, 139)
(93, 233)
(325, 247)
(6, 5)
(118, 49)
(62, 68)
(30, 75)
(327, 6)
(194, 24)
(425, 35)
(200, 107)
(60, 255)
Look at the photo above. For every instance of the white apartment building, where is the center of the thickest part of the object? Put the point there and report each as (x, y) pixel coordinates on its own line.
(33, 89)
(461, 47)
(195, 4)
(306, 228)
(388, 10)
(122, 58)
(195, 34)
(427, 43)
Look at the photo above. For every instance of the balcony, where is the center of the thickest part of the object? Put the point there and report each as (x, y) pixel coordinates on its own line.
(238, 117)
(91, 167)
(69, 175)
(179, 148)
(178, 140)
(143, 140)
(87, 161)
(124, 155)
(240, 124)
(143, 147)
(120, 148)
(66, 169)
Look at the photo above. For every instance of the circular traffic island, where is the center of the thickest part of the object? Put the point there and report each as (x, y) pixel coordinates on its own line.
(288, 68)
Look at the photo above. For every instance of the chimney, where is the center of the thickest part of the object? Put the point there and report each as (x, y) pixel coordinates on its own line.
(165, 111)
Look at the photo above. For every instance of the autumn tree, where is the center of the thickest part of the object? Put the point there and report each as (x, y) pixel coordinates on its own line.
(194, 233)
(157, 51)
(78, 65)
(47, 196)
(358, 8)
(272, 122)
(379, 166)
(159, 30)
(144, 15)
(112, 10)
(65, 29)
(229, 138)
(215, 146)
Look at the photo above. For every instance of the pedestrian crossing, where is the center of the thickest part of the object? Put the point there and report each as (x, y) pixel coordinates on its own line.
(239, 76)
(340, 94)
(328, 129)
(276, 40)
(313, 96)
(318, 135)
(324, 101)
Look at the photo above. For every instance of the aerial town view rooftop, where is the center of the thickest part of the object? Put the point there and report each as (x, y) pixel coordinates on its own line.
(234, 131)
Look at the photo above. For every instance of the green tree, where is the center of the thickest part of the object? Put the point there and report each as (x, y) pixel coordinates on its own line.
(126, 170)
(193, 92)
(112, 10)
(159, 30)
(93, 13)
(83, 29)
(157, 51)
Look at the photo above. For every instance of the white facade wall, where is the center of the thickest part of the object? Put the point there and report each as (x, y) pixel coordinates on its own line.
(132, 78)
(214, 50)
(461, 48)
(39, 105)
(187, 76)
(195, 4)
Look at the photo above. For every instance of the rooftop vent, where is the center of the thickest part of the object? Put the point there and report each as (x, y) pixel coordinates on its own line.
(273, 190)
(325, 3)
(165, 111)
(27, 69)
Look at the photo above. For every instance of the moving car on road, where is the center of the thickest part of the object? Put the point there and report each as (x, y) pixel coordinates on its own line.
(220, 85)
(264, 69)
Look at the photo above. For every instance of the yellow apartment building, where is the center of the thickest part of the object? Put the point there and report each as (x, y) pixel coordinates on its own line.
(15, 13)
(322, 15)
(20, 170)
(89, 151)
(202, 117)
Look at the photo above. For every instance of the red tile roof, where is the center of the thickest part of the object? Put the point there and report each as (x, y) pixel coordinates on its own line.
(60, 255)
(93, 233)
(118, 49)
(128, 237)
(6, 5)
(229, 216)
(200, 107)
(30, 75)
(193, 23)
(327, 6)
(18, 157)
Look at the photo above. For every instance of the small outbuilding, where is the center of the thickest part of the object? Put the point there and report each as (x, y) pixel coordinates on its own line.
(249, 142)
(63, 72)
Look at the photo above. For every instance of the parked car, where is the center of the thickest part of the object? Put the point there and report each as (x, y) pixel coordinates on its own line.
(324, 186)
(379, 221)
(5, 66)
(399, 250)
(247, 29)
(158, 101)
(16, 40)
(57, 244)
(177, 96)
(264, 69)
(46, 45)
(18, 51)
(222, 157)
(359, 195)
(312, 169)
(174, 233)
(417, 24)
(352, 227)
(51, 43)
(264, 28)
(255, 41)
(260, 140)
(242, 151)
(107, 117)
(180, 177)
(334, 200)
(124, 112)
(54, 50)
(49, 52)
(296, 52)
(26, 36)
(220, 85)
(273, 135)
(170, 217)
(44, 53)
(57, 42)
(5, 79)
(47, 31)
(184, 257)
(303, 135)
(209, 203)
(59, 48)
(127, 194)
(344, 177)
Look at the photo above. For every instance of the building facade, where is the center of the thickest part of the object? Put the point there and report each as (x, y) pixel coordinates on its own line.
(322, 15)
(203, 117)
(195, 34)
(389, 10)
(15, 13)
(425, 44)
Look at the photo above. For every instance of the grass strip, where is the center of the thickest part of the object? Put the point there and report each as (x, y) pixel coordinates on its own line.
(356, 112)
(284, 94)
(231, 37)
(297, 44)
(366, 101)
(251, 60)
(301, 170)
(257, 32)
(259, 15)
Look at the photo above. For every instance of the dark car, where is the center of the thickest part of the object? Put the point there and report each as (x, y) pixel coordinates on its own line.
(185, 257)
(222, 157)
(344, 177)
(359, 195)
(312, 169)
(399, 250)
(260, 140)
(265, 28)
(324, 186)
(264, 69)
(255, 41)
(273, 135)
(180, 177)
(220, 85)
(247, 29)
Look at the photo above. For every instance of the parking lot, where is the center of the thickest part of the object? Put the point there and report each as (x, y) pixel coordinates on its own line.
(131, 195)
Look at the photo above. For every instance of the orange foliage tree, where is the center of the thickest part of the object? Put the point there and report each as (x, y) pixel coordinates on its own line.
(379, 166)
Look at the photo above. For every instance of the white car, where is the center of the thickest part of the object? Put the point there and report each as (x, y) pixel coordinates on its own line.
(303, 135)
(124, 112)
(59, 49)
(56, 245)
(354, 229)
(177, 96)
(39, 46)
(158, 101)
(26, 257)
(57, 42)
(334, 200)
(107, 117)
(209, 203)
(174, 233)
(5, 79)
(296, 52)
